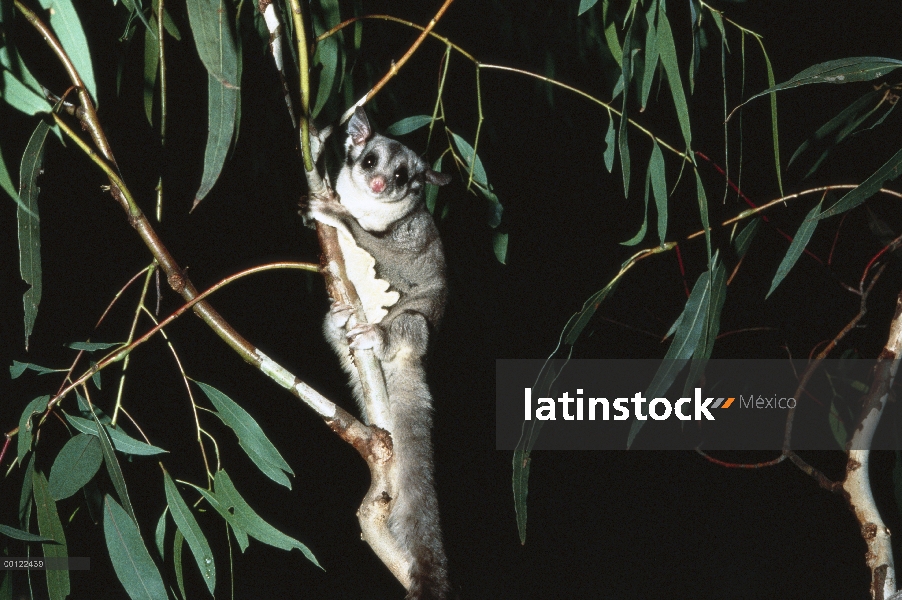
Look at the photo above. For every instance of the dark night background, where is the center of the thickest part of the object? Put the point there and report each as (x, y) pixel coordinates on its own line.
(601, 525)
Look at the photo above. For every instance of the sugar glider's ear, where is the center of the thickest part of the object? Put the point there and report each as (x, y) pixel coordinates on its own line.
(359, 130)
(436, 178)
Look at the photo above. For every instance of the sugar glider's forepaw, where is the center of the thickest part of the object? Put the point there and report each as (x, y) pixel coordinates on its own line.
(325, 211)
(339, 313)
(367, 336)
(317, 141)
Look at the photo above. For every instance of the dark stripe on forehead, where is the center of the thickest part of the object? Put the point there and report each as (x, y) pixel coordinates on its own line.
(394, 149)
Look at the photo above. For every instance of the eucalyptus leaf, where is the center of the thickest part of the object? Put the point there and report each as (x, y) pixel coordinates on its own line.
(667, 52)
(35, 407)
(889, 171)
(50, 526)
(408, 125)
(18, 534)
(844, 70)
(29, 224)
(250, 436)
(121, 441)
(132, 562)
(189, 528)
(75, 465)
(221, 105)
(806, 229)
(65, 22)
(18, 368)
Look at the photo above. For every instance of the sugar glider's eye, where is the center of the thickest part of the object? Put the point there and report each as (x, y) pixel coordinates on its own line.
(370, 160)
(401, 176)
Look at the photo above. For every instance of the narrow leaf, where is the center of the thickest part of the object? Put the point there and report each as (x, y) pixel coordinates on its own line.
(610, 139)
(189, 528)
(585, 5)
(499, 244)
(839, 127)
(408, 124)
(250, 436)
(177, 545)
(26, 496)
(659, 185)
(806, 229)
(65, 22)
(667, 51)
(688, 331)
(151, 68)
(29, 226)
(131, 560)
(212, 31)
(18, 368)
(622, 134)
(610, 34)
(121, 441)
(703, 211)
(745, 237)
(6, 183)
(251, 522)
(160, 533)
(35, 407)
(651, 55)
(521, 489)
(844, 70)
(640, 235)
(92, 346)
(221, 106)
(889, 171)
(18, 534)
(20, 96)
(75, 465)
(240, 534)
(112, 467)
(50, 526)
(326, 55)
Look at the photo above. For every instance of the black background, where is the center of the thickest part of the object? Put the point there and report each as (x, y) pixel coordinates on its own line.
(601, 524)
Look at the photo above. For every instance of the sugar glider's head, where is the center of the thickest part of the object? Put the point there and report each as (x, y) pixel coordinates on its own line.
(383, 168)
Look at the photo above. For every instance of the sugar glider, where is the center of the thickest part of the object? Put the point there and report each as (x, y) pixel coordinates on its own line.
(381, 185)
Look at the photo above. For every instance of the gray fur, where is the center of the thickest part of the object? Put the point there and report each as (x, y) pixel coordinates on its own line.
(381, 187)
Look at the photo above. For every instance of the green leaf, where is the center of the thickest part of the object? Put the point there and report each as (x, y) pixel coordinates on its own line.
(189, 528)
(659, 185)
(806, 229)
(75, 465)
(240, 534)
(432, 190)
(499, 243)
(21, 97)
(610, 34)
(585, 5)
(92, 346)
(18, 534)
(745, 237)
(222, 103)
(112, 467)
(36, 406)
(6, 183)
(250, 436)
(326, 55)
(121, 441)
(18, 368)
(889, 171)
(6, 587)
(695, 11)
(29, 225)
(840, 127)
(838, 428)
(151, 68)
(408, 124)
(26, 496)
(160, 533)
(251, 522)
(773, 117)
(667, 51)
(610, 139)
(477, 171)
(640, 235)
(712, 325)
(65, 22)
(687, 331)
(651, 55)
(96, 376)
(177, 544)
(622, 134)
(211, 26)
(49, 525)
(703, 211)
(131, 560)
(844, 70)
